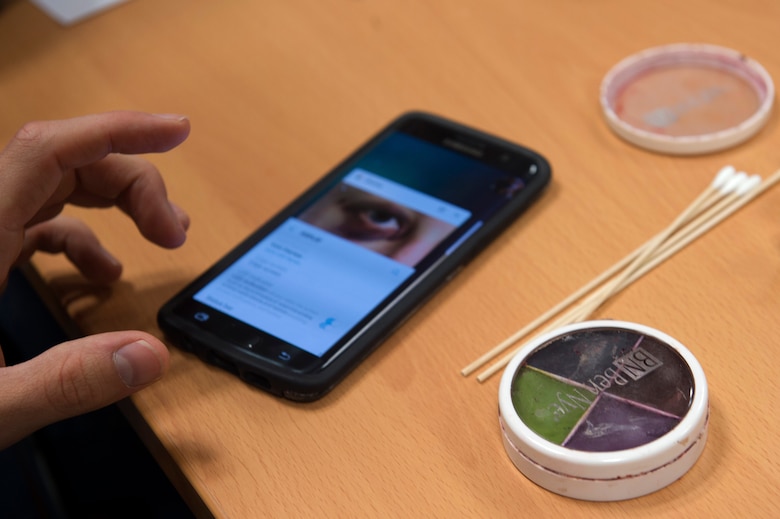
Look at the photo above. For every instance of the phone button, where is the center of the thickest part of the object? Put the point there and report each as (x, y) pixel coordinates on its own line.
(201, 316)
(284, 356)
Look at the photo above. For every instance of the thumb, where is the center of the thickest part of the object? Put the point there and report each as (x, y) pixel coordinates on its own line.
(76, 377)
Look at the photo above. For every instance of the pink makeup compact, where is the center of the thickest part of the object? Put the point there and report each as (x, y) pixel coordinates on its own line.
(604, 410)
(687, 98)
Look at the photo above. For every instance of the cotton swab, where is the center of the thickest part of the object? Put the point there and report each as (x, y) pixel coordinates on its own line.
(735, 188)
(741, 191)
(748, 190)
(723, 180)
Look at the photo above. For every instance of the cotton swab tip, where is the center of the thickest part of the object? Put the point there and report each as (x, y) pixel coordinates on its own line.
(724, 175)
(733, 183)
(748, 185)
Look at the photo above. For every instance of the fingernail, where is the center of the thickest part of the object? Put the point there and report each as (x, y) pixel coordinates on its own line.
(181, 215)
(138, 364)
(172, 117)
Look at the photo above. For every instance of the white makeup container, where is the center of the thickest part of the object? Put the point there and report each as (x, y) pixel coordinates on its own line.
(604, 410)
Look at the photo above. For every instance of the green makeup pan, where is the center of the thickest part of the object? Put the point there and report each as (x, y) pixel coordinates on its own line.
(604, 410)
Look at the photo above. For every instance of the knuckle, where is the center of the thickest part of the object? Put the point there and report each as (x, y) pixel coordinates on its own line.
(33, 140)
(31, 133)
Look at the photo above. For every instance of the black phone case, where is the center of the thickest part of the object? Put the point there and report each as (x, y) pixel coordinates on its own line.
(309, 386)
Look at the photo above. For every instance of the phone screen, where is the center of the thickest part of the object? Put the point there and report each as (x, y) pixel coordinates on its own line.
(319, 274)
(390, 215)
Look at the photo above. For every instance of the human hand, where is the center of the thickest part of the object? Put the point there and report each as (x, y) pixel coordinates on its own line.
(85, 161)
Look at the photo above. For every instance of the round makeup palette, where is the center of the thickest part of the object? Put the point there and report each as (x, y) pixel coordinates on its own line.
(604, 410)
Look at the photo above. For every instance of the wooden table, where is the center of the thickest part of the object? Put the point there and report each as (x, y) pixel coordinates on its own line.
(277, 92)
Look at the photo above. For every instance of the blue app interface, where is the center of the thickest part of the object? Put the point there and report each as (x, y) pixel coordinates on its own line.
(317, 275)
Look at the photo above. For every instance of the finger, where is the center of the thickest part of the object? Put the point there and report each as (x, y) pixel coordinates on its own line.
(137, 188)
(77, 377)
(40, 160)
(78, 242)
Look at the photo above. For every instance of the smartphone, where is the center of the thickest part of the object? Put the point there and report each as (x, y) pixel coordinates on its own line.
(301, 301)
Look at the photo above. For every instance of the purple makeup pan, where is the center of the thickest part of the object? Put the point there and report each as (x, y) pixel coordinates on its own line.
(604, 410)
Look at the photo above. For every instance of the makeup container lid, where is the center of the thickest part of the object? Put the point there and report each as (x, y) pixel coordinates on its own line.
(603, 410)
(686, 98)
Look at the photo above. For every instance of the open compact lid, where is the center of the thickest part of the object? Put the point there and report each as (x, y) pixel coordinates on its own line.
(687, 98)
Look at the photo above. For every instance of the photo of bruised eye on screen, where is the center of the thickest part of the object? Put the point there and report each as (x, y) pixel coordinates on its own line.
(378, 224)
